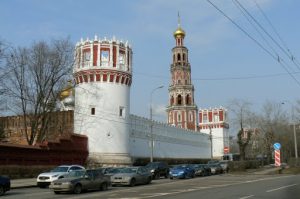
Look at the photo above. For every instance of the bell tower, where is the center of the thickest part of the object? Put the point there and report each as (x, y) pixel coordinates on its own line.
(182, 111)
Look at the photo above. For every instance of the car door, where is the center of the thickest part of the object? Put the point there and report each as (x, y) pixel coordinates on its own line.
(143, 175)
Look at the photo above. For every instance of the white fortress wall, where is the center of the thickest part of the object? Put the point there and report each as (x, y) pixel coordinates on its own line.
(169, 141)
(218, 139)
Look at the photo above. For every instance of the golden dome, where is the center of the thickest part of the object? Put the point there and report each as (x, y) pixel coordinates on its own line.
(67, 91)
(179, 32)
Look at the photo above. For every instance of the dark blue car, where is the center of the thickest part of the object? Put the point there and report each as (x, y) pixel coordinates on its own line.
(182, 171)
(4, 185)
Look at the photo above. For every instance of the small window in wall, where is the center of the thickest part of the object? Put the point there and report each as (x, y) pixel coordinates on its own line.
(122, 111)
(93, 111)
(205, 118)
(178, 57)
(216, 118)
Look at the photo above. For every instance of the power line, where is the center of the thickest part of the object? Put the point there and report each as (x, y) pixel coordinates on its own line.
(254, 40)
(264, 30)
(292, 57)
(252, 21)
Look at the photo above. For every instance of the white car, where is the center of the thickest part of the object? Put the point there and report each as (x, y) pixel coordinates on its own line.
(45, 179)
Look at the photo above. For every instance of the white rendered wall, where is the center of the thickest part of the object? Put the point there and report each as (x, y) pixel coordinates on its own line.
(169, 142)
(219, 139)
(106, 130)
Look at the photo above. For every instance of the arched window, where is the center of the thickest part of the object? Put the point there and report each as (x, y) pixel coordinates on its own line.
(172, 100)
(187, 99)
(179, 99)
(178, 117)
(178, 57)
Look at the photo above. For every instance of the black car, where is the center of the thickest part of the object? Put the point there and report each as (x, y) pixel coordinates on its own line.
(201, 169)
(158, 169)
(4, 185)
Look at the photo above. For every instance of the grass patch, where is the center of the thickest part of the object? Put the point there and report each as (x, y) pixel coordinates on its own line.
(291, 170)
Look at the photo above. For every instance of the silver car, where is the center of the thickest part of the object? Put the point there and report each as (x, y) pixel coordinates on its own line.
(78, 181)
(131, 176)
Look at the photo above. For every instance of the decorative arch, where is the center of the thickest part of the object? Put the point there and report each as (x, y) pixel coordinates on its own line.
(178, 57)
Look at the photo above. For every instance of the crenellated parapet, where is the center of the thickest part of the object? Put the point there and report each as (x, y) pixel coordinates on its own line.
(103, 60)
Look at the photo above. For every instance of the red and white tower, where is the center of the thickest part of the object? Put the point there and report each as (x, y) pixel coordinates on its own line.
(103, 72)
(182, 111)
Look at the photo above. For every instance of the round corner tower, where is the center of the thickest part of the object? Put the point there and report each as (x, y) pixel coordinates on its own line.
(102, 73)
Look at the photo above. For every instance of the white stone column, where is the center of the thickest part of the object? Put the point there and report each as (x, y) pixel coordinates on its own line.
(111, 61)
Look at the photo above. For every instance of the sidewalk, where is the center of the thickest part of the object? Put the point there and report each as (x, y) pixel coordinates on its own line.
(22, 183)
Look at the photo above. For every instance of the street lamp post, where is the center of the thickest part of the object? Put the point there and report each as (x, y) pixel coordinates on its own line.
(151, 124)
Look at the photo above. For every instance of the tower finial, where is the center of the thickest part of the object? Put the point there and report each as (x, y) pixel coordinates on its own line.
(178, 20)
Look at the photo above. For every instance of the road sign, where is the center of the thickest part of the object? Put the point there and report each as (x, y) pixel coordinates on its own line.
(277, 158)
(277, 146)
(226, 149)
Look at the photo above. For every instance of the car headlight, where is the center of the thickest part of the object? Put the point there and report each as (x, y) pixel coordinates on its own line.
(152, 170)
(55, 176)
(180, 172)
(66, 183)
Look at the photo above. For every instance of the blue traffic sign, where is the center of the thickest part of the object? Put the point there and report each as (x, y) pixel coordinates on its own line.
(277, 146)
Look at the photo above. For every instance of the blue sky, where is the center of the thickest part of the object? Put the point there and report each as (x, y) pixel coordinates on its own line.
(221, 56)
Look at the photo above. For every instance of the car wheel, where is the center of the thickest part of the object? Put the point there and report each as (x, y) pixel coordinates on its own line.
(149, 180)
(57, 192)
(2, 190)
(103, 186)
(166, 176)
(132, 182)
(157, 176)
(77, 189)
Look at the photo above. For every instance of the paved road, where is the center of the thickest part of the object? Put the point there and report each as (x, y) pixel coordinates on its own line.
(212, 187)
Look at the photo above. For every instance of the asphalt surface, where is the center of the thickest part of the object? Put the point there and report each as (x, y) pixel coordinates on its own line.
(212, 187)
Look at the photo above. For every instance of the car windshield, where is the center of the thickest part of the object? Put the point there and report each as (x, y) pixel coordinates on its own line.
(128, 170)
(152, 165)
(180, 167)
(78, 173)
(113, 170)
(60, 169)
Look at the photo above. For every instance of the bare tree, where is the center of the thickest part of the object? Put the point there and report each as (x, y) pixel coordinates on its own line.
(242, 119)
(35, 77)
(273, 123)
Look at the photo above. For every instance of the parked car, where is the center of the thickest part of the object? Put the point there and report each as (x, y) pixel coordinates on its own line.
(4, 185)
(131, 176)
(45, 179)
(201, 170)
(215, 168)
(79, 180)
(182, 171)
(158, 169)
(110, 170)
(224, 165)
